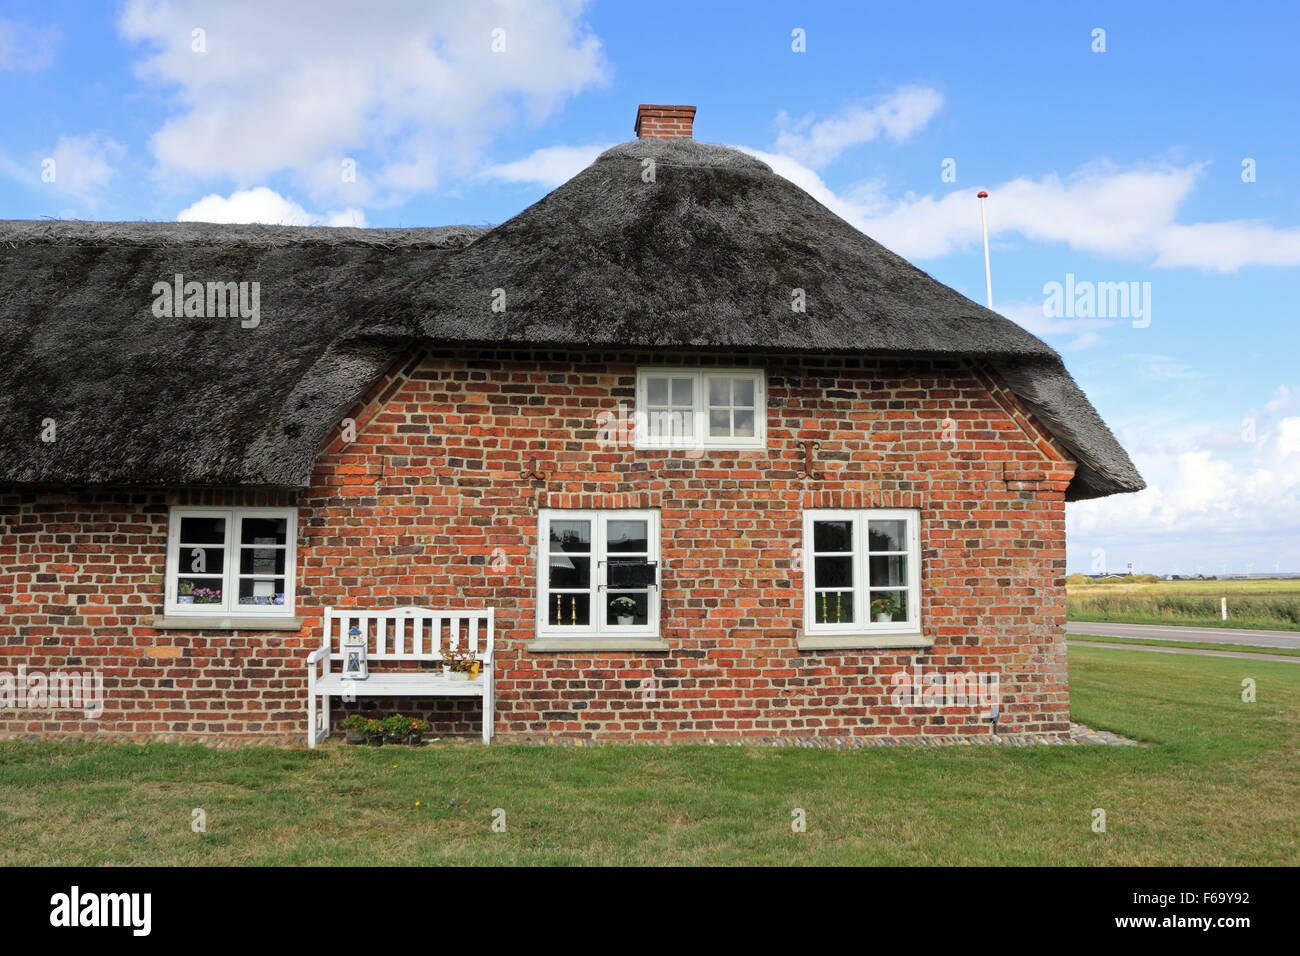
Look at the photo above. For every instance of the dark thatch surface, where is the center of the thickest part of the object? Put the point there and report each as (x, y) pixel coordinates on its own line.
(148, 401)
(705, 257)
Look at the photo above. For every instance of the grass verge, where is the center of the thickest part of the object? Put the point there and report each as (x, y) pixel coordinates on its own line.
(1193, 645)
(1217, 785)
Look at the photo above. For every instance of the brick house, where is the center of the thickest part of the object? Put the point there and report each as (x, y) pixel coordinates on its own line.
(721, 465)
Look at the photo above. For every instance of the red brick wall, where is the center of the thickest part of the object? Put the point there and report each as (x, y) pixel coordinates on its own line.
(427, 506)
(664, 122)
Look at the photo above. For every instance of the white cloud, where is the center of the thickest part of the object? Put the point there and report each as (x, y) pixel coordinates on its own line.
(549, 167)
(264, 205)
(1227, 246)
(412, 93)
(897, 115)
(83, 165)
(1217, 495)
(24, 47)
(1099, 209)
(1029, 316)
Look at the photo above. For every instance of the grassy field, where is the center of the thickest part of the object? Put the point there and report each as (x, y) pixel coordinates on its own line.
(1218, 784)
(1266, 603)
(1194, 645)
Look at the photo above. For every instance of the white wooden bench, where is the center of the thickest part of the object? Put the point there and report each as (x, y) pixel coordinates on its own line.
(394, 636)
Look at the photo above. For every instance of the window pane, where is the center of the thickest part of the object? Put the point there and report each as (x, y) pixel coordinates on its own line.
(887, 536)
(570, 535)
(626, 608)
(833, 572)
(834, 607)
(568, 571)
(891, 569)
(684, 392)
(261, 591)
(569, 610)
(743, 392)
(203, 530)
(201, 560)
(666, 423)
(889, 606)
(262, 560)
(206, 590)
(627, 536)
(719, 391)
(744, 424)
(656, 391)
(263, 530)
(720, 423)
(832, 536)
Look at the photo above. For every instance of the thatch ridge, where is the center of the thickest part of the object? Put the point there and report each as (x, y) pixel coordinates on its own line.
(65, 232)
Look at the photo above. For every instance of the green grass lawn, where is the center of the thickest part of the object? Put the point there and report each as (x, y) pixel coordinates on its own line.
(1218, 784)
(1195, 645)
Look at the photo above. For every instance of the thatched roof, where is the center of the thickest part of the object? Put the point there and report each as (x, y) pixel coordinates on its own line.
(704, 257)
(707, 256)
(138, 400)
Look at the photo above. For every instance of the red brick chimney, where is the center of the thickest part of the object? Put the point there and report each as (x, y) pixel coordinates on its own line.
(663, 122)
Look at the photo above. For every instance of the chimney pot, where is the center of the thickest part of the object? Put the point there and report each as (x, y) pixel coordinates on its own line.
(663, 122)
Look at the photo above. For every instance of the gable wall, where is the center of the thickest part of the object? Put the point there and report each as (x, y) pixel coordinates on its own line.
(428, 507)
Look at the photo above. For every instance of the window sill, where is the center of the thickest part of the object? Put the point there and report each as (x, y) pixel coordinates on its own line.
(184, 622)
(865, 642)
(703, 449)
(544, 645)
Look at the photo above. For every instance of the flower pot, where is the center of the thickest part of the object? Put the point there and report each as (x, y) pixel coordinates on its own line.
(185, 599)
(393, 738)
(413, 739)
(626, 620)
(459, 675)
(375, 740)
(884, 618)
(356, 737)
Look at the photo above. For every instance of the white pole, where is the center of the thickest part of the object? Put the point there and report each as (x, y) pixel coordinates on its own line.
(1223, 607)
(988, 276)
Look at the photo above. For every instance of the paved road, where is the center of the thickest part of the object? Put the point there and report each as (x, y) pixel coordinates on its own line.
(1244, 656)
(1210, 635)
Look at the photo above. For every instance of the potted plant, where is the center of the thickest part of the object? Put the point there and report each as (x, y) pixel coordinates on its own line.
(355, 727)
(207, 596)
(884, 609)
(375, 732)
(624, 609)
(394, 729)
(185, 592)
(460, 665)
(414, 731)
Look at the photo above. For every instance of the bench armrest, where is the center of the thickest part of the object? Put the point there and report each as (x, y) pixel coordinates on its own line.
(318, 655)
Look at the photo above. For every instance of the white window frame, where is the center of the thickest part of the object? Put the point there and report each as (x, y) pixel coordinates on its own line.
(599, 518)
(229, 605)
(700, 408)
(862, 623)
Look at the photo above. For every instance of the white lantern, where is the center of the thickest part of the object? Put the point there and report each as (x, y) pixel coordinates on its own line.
(354, 655)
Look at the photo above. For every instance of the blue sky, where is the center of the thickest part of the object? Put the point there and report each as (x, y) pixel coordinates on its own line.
(1122, 166)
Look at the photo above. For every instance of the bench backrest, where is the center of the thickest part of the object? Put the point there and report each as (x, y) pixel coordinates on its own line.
(410, 633)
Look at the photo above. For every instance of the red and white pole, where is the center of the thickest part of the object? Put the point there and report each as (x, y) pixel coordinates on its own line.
(988, 276)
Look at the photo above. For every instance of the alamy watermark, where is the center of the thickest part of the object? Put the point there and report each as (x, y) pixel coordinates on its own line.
(214, 300)
(1074, 299)
(57, 690)
(915, 687)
